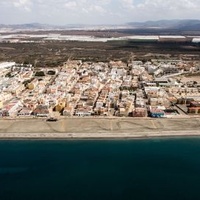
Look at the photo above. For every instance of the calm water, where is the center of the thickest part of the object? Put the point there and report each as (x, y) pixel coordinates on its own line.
(100, 170)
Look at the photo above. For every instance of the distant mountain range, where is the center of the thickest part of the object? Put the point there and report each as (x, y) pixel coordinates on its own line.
(36, 26)
(183, 25)
(31, 26)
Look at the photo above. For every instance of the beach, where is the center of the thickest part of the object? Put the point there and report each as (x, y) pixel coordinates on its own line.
(98, 128)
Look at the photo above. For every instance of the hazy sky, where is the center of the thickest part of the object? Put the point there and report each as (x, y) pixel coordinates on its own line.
(95, 11)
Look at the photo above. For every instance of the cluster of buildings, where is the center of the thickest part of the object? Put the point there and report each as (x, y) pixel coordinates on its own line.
(116, 88)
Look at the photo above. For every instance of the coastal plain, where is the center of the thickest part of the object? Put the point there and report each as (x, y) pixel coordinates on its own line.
(98, 128)
(46, 55)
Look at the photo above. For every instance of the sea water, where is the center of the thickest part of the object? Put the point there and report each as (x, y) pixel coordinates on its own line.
(149, 169)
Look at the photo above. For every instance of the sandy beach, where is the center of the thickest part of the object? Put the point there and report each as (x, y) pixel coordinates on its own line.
(98, 128)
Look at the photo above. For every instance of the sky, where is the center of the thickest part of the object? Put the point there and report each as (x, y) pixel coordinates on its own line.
(62, 12)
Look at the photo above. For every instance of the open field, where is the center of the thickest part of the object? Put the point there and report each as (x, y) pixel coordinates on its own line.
(54, 53)
(99, 128)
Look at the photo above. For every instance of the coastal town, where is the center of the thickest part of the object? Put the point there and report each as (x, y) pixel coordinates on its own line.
(156, 88)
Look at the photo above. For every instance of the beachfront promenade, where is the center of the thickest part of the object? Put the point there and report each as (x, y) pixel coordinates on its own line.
(86, 128)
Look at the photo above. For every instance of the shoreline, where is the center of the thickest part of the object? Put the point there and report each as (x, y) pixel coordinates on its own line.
(85, 136)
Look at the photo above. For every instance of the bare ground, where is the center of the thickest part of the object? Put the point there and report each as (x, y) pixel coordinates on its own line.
(76, 128)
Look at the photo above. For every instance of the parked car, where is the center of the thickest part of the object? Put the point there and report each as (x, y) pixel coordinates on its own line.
(52, 119)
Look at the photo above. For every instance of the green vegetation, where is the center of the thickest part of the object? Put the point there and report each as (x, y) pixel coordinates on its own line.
(51, 72)
(40, 73)
(27, 82)
(9, 75)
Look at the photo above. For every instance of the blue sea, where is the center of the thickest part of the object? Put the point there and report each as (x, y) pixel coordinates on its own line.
(151, 169)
